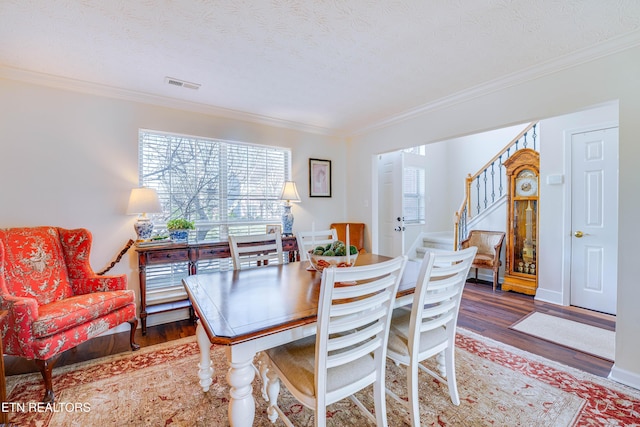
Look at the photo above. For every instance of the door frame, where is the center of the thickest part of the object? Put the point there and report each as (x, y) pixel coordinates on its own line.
(567, 226)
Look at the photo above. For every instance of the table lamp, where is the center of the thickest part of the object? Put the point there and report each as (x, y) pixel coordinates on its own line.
(142, 201)
(289, 194)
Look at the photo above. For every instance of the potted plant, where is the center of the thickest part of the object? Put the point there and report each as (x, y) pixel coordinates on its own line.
(179, 229)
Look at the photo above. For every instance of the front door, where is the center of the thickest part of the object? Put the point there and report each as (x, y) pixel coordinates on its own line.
(594, 219)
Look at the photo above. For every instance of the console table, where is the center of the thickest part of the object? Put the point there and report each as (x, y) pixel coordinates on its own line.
(189, 254)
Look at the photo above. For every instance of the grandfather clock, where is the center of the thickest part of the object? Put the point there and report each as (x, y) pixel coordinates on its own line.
(521, 266)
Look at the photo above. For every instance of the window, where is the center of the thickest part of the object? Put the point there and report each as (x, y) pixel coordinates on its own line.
(413, 197)
(224, 187)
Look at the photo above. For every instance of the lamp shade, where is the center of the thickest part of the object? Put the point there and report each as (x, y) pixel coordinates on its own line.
(143, 200)
(290, 192)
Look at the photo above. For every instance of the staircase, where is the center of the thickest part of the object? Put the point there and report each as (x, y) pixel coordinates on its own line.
(484, 201)
(433, 240)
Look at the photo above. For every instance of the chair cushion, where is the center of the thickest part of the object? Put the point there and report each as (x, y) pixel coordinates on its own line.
(399, 333)
(65, 314)
(34, 264)
(296, 361)
(484, 261)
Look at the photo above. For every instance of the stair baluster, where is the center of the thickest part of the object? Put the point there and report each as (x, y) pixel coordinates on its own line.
(482, 192)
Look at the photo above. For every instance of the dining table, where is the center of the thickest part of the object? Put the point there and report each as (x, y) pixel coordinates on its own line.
(252, 310)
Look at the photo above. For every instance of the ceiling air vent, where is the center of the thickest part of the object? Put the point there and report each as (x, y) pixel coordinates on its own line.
(181, 83)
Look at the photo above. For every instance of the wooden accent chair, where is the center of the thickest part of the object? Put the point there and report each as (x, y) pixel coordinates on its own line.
(53, 298)
(256, 250)
(489, 244)
(428, 327)
(348, 352)
(356, 234)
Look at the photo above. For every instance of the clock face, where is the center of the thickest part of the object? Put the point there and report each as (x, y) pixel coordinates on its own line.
(526, 184)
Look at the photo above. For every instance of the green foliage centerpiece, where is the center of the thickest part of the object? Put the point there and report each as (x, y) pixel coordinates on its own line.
(333, 255)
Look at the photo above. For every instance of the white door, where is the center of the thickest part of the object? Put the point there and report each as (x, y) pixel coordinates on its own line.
(413, 200)
(390, 223)
(594, 219)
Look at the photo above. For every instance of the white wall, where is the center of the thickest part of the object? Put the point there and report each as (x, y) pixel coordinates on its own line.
(603, 80)
(554, 243)
(69, 159)
(450, 162)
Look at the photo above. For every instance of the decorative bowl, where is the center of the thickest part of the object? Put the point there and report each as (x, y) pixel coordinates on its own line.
(320, 262)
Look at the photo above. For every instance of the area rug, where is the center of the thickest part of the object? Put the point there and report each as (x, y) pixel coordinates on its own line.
(568, 333)
(158, 386)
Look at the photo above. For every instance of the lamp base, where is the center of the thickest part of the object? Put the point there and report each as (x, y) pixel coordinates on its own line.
(144, 228)
(287, 221)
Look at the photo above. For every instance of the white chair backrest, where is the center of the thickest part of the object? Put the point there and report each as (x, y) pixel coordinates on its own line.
(310, 239)
(436, 301)
(354, 312)
(256, 250)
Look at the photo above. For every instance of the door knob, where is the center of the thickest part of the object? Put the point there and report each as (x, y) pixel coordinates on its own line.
(578, 234)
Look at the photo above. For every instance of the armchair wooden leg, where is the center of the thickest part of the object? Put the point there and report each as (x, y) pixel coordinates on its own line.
(132, 336)
(46, 367)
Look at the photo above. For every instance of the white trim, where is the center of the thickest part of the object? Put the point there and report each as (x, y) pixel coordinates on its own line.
(167, 317)
(91, 88)
(552, 297)
(601, 50)
(625, 377)
(123, 327)
(593, 53)
(152, 320)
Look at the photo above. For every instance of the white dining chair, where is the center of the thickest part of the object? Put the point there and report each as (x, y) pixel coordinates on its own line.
(256, 250)
(310, 239)
(348, 351)
(427, 328)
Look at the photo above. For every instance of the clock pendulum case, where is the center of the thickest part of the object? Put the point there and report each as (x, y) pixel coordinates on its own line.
(521, 259)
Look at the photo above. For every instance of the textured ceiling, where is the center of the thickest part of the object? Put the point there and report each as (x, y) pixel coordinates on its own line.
(336, 66)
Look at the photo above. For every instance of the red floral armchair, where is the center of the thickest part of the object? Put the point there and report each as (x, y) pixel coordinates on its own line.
(53, 298)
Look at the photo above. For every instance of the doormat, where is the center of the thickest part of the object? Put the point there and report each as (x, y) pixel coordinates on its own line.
(568, 333)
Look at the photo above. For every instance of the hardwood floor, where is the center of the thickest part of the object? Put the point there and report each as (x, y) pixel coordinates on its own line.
(490, 314)
(482, 311)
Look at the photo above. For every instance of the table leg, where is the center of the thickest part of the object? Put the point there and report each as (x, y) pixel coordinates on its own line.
(239, 377)
(205, 367)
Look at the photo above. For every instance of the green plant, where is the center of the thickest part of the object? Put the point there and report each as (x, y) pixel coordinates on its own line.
(180, 224)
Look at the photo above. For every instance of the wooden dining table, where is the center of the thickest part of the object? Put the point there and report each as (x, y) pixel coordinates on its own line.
(252, 310)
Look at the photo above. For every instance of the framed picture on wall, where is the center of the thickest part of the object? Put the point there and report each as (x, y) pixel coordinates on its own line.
(319, 178)
(274, 228)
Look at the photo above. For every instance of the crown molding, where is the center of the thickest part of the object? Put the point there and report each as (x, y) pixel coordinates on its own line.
(582, 56)
(574, 59)
(90, 88)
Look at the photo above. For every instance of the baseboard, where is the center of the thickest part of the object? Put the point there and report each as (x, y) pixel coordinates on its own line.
(546, 295)
(123, 327)
(625, 377)
(487, 277)
(168, 317)
(155, 319)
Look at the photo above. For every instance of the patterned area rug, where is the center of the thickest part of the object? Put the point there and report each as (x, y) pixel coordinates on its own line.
(158, 386)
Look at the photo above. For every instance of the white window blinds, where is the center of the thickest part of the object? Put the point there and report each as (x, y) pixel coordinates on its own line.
(220, 185)
(225, 187)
